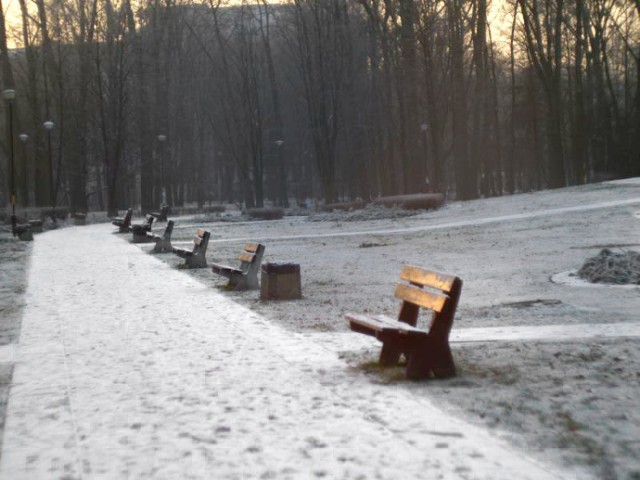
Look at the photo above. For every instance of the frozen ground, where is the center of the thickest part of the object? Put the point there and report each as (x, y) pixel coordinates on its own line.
(13, 279)
(206, 372)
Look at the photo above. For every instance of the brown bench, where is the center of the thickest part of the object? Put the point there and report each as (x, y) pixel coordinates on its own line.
(123, 223)
(140, 230)
(244, 277)
(426, 352)
(163, 242)
(195, 258)
(161, 216)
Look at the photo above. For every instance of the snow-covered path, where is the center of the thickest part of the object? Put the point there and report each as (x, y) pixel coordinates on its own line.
(128, 368)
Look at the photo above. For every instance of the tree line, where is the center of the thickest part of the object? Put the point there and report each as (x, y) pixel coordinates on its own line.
(265, 102)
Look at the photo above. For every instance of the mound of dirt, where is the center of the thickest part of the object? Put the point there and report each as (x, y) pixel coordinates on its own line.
(371, 212)
(610, 267)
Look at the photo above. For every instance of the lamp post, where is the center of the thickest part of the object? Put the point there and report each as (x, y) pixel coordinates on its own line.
(424, 127)
(48, 125)
(9, 96)
(161, 140)
(25, 182)
(282, 174)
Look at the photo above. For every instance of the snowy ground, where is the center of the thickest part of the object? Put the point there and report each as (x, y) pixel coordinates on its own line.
(565, 396)
(13, 279)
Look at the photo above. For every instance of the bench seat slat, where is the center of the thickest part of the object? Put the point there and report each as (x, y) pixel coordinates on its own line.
(222, 269)
(427, 278)
(181, 252)
(417, 296)
(382, 323)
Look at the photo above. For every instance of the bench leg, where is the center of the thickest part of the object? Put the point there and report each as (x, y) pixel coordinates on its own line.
(389, 355)
(431, 357)
(195, 261)
(443, 366)
(162, 247)
(419, 365)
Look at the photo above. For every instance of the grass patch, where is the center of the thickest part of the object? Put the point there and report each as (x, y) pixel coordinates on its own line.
(593, 355)
(371, 244)
(384, 375)
(503, 375)
(321, 327)
(575, 435)
(569, 423)
(326, 283)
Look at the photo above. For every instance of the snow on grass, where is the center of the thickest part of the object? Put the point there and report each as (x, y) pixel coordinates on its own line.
(176, 393)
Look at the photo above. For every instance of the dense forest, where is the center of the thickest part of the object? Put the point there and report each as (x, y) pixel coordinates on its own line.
(256, 101)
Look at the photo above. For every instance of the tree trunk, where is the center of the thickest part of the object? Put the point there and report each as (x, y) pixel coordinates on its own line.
(465, 171)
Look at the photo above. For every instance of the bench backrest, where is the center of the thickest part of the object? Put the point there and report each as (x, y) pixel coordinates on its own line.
(251, 257)
(148, 221)
(200, 242)
(167, 231)
(440, 296)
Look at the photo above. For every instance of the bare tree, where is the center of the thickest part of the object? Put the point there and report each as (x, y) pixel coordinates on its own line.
(111, 79)
(543, 22)
(322, 42)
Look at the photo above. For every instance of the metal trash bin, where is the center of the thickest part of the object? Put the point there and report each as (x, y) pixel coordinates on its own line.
(280, 281)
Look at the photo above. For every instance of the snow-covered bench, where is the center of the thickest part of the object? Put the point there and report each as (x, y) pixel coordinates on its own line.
(195, 258)
(140, 230)
(245, 277)
(426, 352)
(161, 216)
(123, 223)
(163, 242)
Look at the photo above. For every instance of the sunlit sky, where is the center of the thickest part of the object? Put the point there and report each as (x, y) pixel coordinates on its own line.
(12, 16)
(12, 9)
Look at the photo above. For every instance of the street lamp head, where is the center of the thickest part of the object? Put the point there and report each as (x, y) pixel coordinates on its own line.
(23, 137)
(9, 94)
(49, 125)
(162, 138)
(279, 143)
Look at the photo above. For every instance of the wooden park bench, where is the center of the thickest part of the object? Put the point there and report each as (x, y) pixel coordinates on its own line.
(161, 216)
(36, 225)
(163, 242)
(123, 223)
(426, 352)
(140, 230)
(195, 258)
(22, 230)
(244, 277)
(79, 218)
